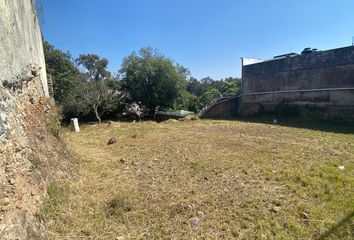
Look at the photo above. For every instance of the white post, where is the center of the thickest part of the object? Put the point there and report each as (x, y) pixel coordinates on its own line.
(74, 125)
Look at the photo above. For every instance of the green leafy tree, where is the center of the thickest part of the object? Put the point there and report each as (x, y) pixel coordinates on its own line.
(196, 87)
(95, 67)
(94, 94)
(208, 89)
(231, 86)
(63, 72)
(83, 94)
(99, 91)
(153, 79)
(209, 96)
(187, 101)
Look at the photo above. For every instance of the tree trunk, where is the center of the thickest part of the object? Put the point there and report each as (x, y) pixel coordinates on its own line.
(95, 109)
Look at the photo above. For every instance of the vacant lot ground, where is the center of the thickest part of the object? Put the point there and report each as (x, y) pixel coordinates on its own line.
(205, 180)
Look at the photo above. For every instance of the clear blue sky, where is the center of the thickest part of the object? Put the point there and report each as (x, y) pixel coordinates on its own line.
(207, 36)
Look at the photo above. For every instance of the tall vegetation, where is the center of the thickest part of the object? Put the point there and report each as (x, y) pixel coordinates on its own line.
(62, 70)
(152, 79)
(85, 88)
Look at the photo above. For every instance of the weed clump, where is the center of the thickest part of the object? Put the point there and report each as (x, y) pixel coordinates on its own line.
(35, 161)
(54, 126)
(53, 202)
(118, 206)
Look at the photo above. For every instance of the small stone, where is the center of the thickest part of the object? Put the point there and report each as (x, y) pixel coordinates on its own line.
(3, 208)
(6, 201)
(200, 214)
(120, 238)
(12, 181)
(110, 123)
(194, 222)
(50, 223)
(341, 167)
(275, 121)
(305, 216)
(111, 141)
(276, 209)
(134, 163)
(122, 160)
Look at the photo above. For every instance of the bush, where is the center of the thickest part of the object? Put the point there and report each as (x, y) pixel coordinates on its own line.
(54, 126)
(118, 206)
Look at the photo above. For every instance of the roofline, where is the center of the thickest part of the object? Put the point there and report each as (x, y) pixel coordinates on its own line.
(276, 59)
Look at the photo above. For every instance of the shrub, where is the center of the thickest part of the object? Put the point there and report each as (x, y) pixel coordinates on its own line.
(118, 206)
(54, 126)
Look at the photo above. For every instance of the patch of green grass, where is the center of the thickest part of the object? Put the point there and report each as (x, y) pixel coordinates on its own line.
(54, 126)
(53, 202)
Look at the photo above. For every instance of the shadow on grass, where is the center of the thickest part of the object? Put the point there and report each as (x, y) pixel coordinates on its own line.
(313, 124)
(335, 228)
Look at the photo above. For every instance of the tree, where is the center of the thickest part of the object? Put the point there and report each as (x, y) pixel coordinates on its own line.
(209, 96)
(153, 79)
(187, 101)
(98, 89)
(232, 86)
(195, 87)
(61, 69)
(96, 67)
(94, 94)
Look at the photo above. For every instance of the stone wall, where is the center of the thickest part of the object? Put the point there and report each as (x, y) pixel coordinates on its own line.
(29, 152)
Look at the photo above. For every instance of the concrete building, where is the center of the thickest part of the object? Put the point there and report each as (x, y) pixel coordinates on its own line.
(318, 83)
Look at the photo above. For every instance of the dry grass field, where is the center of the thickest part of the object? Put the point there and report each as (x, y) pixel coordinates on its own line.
(205, 180)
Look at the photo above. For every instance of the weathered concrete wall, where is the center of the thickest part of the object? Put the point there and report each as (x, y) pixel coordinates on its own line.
(227, 108)
(21, 45)
(28, 150)
(324, 104)
(322, 79)
(324, 69)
